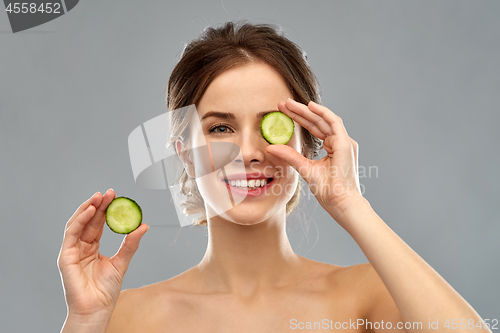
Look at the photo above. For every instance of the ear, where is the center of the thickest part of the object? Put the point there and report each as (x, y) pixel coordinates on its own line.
(185, 157)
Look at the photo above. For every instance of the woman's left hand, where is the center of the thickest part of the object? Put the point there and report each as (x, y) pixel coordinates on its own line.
(333, 179)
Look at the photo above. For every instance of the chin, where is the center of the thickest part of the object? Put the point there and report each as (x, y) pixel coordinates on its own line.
(241, 216)
(239, 222)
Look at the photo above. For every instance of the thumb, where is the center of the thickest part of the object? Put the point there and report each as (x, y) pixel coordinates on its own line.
(129, 246)
(292, 157)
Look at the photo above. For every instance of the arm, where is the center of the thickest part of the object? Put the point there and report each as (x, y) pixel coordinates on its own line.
(419, 292)
(76, 324)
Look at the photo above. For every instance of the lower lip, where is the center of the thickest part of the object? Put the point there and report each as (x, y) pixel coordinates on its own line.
(249, 193)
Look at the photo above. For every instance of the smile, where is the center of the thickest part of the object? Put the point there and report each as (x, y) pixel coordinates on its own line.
(250, 187)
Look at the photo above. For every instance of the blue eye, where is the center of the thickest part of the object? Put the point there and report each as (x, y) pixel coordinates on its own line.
(219, 129)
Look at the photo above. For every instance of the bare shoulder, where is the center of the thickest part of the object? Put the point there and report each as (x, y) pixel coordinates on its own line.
(125, 310)
(358, 275)
(362, 277)
(339, 282)
(318, 274)
(358, 286)
(351, 276)
(146, 309)
(350, 291)
(375, 300)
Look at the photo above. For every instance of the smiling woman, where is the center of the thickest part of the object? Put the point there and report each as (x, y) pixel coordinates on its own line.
(250, 279)
(245, 90)
(217, 51)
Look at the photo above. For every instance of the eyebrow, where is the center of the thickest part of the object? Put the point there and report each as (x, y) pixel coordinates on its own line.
(231, 116)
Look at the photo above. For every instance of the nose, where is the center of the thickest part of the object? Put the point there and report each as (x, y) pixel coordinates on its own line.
(252, 146)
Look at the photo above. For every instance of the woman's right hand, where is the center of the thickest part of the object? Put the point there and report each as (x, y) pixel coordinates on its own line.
(92, 282)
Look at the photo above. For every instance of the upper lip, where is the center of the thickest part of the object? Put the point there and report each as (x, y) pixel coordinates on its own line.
(253, 175)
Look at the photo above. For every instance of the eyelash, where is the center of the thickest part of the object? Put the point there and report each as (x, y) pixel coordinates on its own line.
(212, 129)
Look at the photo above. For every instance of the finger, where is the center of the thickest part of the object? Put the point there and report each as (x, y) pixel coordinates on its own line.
(292, 157)
(73, 232)
(129, 246)
(333, 120)
(303, 115)
(96, 224)
(98, 237)
(309, 125)
(93, 200)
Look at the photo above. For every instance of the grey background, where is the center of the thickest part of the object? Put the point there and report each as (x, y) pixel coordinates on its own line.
(416, 83)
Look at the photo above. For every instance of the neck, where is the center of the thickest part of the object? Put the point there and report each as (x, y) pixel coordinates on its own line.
(247, 259)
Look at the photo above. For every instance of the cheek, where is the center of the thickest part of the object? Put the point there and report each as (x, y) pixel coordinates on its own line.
(214, 193)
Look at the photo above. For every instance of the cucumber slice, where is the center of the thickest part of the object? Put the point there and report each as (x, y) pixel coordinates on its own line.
(123, 215)
(277, 128)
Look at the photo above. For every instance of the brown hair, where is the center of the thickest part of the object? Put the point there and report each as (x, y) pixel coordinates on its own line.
(219, 49)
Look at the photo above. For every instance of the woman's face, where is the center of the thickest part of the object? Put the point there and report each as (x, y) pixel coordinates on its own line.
(245, 92)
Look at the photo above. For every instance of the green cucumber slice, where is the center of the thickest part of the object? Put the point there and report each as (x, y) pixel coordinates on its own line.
(123, 215)
(277, 128)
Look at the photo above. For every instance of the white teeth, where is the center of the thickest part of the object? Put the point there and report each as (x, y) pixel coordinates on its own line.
(250, 184)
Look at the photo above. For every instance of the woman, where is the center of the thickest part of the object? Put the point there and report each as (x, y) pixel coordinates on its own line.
(250, 279)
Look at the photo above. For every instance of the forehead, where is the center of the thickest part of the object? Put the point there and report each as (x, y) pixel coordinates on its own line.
(252, 88)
